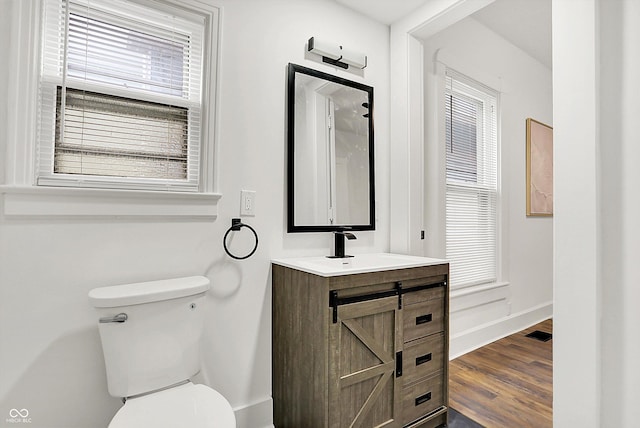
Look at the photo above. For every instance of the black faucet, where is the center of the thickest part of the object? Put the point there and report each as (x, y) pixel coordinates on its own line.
(339, 244)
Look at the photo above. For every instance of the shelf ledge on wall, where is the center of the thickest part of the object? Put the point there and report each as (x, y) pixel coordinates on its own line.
(56, 202)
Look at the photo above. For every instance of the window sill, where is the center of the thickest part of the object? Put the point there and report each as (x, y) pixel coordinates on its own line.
(479, 288)
(56, 202)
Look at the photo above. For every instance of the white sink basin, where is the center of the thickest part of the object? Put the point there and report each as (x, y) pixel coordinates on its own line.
(359, 263)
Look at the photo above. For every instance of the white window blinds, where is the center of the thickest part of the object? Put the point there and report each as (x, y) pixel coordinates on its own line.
(471, 181)
(120, 96)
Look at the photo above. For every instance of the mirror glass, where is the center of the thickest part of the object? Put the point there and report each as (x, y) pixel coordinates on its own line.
(330, 152)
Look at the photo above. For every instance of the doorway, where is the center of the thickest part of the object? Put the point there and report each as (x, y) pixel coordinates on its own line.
(463, 40)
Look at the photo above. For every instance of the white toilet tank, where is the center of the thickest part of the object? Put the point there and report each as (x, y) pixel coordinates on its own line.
(150, 332)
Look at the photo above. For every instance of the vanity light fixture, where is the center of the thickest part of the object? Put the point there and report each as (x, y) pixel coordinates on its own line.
(353, 58)
(325, 49)
(336, 55)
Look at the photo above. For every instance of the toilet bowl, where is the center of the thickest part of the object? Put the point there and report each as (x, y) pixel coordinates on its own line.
(151, 334)
(187, 405)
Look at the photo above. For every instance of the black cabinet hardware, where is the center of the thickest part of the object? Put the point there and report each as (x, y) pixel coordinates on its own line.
(423, 319)
(335, 301)
(423, 398)
(423, 359)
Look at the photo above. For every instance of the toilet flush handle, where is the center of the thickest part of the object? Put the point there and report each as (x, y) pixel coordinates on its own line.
(116, 318)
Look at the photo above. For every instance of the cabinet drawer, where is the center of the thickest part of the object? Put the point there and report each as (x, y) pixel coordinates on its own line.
(423, 319)
(413, 297)
(422, 398)
(422, 358)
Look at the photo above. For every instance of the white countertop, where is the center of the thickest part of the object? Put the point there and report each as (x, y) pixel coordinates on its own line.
(359, 263)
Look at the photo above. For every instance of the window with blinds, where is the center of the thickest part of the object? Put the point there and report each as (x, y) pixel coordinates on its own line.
(120, 95)
(471, 181)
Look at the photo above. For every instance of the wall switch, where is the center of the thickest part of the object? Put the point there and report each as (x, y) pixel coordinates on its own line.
(247, 202)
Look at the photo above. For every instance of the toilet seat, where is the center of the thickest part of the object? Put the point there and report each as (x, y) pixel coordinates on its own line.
(187, 405)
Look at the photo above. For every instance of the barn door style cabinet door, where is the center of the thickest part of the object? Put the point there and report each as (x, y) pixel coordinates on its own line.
(363, 342)
(360, 347)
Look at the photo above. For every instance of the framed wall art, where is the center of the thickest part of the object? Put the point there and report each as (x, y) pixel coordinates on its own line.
(539, 169)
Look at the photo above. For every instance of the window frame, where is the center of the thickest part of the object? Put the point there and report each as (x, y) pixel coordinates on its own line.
(484, 188)
(21, 196)
(56, 57)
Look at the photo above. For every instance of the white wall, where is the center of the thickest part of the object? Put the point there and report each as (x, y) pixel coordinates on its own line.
(577, 294)
(484, 313)
(620, 231)
(596, 244)
(50, 355)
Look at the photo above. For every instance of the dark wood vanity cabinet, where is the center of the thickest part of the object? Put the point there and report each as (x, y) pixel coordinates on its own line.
(366, 349)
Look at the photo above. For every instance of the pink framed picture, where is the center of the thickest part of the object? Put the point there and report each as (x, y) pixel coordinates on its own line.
(539, 169)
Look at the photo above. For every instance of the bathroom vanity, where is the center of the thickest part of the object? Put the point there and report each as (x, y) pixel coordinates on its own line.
(361, 341)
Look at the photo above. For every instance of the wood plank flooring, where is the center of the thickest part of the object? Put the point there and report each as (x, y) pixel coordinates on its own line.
(506, 384)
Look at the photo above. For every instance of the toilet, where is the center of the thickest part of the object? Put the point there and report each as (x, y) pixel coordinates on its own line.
(150, 333)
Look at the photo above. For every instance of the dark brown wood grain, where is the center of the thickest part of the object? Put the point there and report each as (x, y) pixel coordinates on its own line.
(507, 383)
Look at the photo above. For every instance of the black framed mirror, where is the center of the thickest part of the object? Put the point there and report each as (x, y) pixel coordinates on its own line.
(330, 153)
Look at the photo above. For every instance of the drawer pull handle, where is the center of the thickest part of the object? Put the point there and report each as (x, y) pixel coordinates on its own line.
(423, 319)
(423, 359)
(423, 398)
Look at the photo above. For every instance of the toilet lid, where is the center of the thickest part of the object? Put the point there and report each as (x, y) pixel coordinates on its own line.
(188, 405)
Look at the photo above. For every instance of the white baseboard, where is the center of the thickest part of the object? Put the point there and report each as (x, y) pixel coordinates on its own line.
(482, 335)
(256, 415)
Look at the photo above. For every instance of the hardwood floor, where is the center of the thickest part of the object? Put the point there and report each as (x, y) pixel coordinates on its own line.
(506, 384)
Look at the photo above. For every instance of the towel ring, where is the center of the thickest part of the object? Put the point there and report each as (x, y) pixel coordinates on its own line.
(236, 225)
